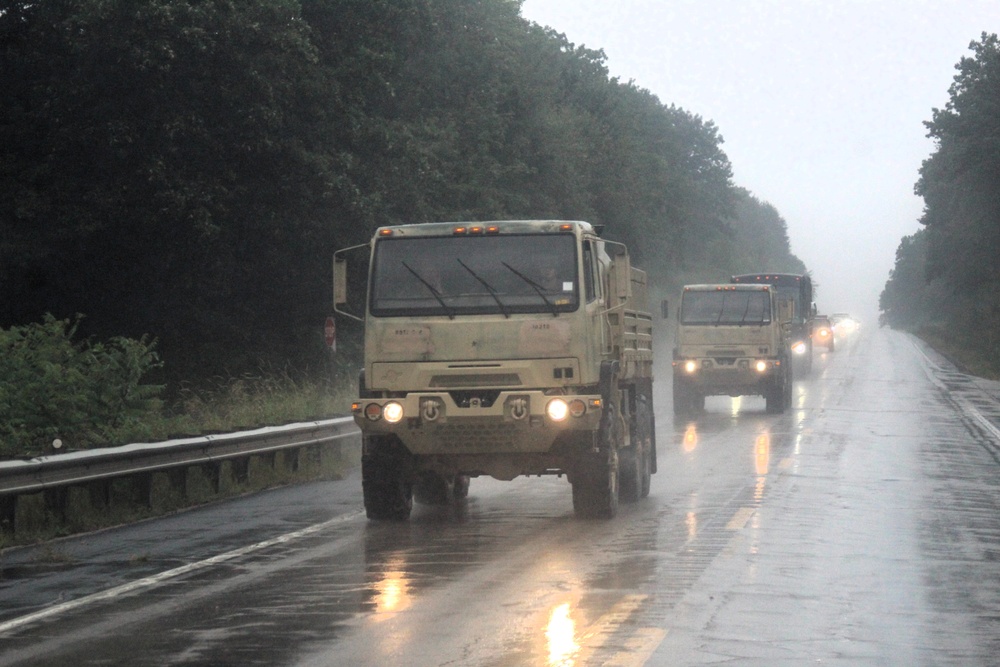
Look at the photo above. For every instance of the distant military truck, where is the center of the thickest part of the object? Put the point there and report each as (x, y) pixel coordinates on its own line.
(731, 340)
(797, 289)
(503, 349)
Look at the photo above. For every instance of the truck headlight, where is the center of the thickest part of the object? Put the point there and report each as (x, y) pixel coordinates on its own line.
(761, 365)
(557, 409)
(799, 347)
(392, 412)
(690, 366)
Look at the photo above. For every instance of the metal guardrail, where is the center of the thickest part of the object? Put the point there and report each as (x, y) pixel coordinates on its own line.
(60, 471)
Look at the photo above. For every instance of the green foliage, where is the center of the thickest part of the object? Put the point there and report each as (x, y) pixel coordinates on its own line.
(186, 167)
(85, 393)
(946, 276)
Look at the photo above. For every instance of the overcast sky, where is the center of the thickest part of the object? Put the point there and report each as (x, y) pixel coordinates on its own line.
(821, 105)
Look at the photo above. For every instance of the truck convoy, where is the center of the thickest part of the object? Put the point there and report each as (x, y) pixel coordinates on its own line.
(503, 349)
(732, 340)
(797, 289)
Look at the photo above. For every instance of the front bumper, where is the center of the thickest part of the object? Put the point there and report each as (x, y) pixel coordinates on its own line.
(734, 377)
(433, 423)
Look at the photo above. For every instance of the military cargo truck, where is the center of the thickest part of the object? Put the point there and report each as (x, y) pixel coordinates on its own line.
(796, 288)
(503, 349)
(732, 340)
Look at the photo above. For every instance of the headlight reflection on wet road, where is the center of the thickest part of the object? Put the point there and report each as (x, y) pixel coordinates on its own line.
(560, 633)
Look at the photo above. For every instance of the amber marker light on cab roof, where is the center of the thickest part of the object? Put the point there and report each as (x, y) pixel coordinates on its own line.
(385, 232)
(460, 230)
(493, 229)
(565, 227)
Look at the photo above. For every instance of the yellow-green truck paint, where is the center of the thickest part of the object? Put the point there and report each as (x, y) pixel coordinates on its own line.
(502, 348)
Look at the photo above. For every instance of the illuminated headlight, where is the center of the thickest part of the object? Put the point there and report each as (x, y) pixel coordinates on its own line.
(557, 409)
(798, 347)
(760, 365)
(690, 366)
(392, 412)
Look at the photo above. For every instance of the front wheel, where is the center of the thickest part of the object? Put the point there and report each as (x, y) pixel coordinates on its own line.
(595, 487)
(385, 479)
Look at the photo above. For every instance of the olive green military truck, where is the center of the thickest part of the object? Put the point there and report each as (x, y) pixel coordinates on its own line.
(502, 349)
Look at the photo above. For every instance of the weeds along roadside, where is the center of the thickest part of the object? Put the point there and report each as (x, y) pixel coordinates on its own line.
(229, 405)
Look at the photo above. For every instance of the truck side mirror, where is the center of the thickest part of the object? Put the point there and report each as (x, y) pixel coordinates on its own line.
(665, 309)
(339, 280)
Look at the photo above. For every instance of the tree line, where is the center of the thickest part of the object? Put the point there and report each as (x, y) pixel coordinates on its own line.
(183, 169)
(945, 281)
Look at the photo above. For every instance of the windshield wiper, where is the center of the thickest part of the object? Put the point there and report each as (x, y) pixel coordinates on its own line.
(722, 310)
(433, 290)
(535, 286)
(493, 292)
(746, 311)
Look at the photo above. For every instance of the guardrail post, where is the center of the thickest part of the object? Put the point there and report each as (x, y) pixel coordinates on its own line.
(240, 470)
(213, 471)
(268, 458)
(8, 513)
(178, 480)
(55, 501)
(291, 457)
(100, 493)
(142, 489)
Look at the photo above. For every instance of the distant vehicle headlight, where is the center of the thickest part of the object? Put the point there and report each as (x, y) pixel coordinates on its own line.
(392, 412)
(799, 347)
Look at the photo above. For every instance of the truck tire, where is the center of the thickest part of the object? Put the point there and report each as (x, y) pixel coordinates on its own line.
(775, 398)
(645, 416)
(778, 395)
(595, 487)
(385, 479)
(595, 482)
(636, 460)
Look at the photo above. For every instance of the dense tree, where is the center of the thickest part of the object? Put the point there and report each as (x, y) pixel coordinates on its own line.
(184, 168)
(947, 276)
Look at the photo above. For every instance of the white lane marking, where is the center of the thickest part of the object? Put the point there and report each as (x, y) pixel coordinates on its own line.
(157, 579)
(740, 519)
(640, 648)
(966, 407)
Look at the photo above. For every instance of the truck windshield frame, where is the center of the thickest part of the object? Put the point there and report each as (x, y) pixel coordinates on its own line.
(501, 274)
(726, 308)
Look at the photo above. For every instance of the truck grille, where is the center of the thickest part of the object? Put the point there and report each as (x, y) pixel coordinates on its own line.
(476, 380)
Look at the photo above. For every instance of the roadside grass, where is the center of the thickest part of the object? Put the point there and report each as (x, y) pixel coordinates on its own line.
(970, 356)
(231, 405)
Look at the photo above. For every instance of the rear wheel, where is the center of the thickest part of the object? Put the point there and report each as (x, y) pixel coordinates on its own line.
(385, 479)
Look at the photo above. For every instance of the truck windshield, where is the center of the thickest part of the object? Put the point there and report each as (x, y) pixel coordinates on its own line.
(465, 275)
(727, 307)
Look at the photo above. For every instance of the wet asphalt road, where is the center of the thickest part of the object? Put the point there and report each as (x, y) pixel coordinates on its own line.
(859, 528)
